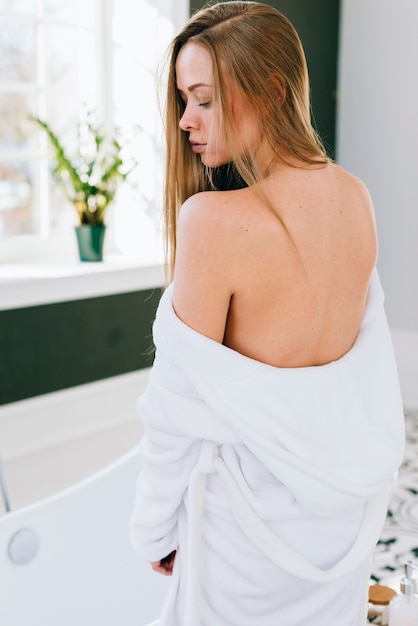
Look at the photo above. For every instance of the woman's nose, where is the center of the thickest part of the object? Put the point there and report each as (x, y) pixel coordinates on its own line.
(187, 121)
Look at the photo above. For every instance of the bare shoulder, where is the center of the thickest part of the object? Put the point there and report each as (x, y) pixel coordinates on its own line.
(202, 282)
(351, 182)
(210, 224)
(207, 210)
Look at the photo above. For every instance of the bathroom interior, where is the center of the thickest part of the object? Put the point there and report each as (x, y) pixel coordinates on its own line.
(75, 338)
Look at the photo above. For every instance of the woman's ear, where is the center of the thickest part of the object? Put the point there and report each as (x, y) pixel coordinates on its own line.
(278, 86)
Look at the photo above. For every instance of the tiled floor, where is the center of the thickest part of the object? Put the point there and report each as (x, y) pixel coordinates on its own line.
(399, 540)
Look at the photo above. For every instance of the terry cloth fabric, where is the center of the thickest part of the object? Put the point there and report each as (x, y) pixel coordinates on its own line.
(271, 483)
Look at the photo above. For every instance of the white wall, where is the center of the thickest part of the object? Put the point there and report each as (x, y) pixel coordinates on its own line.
(377, 136)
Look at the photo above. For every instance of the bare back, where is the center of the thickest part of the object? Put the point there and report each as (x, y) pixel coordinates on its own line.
(291, 296)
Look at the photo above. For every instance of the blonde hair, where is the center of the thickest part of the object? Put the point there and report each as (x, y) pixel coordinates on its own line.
(253, 47)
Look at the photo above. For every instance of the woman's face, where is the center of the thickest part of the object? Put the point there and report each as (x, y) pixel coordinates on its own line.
(201, 119)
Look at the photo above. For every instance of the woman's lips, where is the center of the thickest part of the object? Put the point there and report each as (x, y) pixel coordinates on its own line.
(197, 147)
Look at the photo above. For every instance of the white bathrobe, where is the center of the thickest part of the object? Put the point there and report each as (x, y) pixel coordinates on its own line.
(271, 483)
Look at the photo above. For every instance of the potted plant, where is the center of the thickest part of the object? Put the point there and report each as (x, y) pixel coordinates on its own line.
(90, 181)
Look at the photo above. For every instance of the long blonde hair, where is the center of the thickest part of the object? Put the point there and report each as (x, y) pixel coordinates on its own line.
(251, 45)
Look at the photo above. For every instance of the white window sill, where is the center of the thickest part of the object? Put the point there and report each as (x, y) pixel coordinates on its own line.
(24, 285)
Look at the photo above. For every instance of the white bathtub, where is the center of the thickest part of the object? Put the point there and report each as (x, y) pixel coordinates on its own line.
(83, 571)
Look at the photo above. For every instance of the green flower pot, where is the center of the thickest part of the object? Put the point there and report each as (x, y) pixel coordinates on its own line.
(90, 240)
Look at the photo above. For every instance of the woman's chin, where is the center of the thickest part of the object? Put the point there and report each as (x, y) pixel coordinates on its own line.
(213, 162)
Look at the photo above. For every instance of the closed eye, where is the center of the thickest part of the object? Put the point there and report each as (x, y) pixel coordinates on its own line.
(205, 104)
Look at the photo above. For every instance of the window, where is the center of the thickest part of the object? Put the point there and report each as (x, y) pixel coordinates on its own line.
(58, 58)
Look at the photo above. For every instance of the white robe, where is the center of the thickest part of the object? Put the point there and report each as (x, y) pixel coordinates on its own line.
(271, 483)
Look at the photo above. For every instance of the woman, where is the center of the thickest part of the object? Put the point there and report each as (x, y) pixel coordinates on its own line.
(274, 382)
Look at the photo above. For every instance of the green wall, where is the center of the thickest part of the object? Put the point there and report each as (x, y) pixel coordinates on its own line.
(55, 346)
(317, 22)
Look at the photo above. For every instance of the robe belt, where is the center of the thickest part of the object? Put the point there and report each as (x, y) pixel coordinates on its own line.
(196, 501)
(262, 536)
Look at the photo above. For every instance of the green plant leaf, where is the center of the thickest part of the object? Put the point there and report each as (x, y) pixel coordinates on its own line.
(91, 180)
